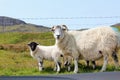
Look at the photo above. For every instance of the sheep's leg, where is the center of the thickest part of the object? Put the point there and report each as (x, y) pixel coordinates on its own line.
(69, 68)
(94, 64)
(115, 58)
(87, 62)
(105, 63)
(55, 68)
(67, 64)
(76, 65)
(58, 64)
(40, 64)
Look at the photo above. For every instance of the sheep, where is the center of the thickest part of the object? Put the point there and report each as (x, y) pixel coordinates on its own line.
(90, 45)
(66, 43)
(99, 42)
(72, 49)
(40, 53)
(76, 33)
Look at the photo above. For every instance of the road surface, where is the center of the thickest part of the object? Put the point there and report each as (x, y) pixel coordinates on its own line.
(80, 76)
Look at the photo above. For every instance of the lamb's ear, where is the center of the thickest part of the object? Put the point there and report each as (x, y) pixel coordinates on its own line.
(64, 27)
(37, 44)
(28, 44)
(52, 29)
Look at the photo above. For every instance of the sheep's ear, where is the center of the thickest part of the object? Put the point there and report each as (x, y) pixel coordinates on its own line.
(64, 27)
(28, 44)
(37, 43)
(52, 29)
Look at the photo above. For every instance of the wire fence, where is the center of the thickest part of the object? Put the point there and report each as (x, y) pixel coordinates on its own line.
(75, 22)
(46, 18)
(72, 22)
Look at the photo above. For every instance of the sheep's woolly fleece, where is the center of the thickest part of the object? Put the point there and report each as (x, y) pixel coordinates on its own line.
(93, 41)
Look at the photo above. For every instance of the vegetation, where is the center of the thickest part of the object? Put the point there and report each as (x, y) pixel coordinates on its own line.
(24, 28)
(15, 58)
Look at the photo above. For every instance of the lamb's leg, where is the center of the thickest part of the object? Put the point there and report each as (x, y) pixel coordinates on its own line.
(76, 65)
(105, 63)
(115, 58)
(94, 64)
(58, 66)
(40, 64)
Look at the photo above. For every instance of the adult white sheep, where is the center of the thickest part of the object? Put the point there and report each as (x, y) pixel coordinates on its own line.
(75, 33)
(40, 53)
(66, 43)
(90, 44)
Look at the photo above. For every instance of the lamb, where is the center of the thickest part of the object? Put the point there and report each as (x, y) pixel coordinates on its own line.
(40, 53)
(90, 45)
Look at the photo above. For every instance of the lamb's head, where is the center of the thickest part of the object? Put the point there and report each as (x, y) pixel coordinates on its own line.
(58, 31)
(33, 45)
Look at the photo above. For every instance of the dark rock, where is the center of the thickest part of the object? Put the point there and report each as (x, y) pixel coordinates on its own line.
(7, 21)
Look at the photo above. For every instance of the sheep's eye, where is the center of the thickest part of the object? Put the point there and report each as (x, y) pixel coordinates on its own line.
(63, 29)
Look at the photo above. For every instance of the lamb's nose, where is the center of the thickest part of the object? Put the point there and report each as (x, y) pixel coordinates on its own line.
(58, 36)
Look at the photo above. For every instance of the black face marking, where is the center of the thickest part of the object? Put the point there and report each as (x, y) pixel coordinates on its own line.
(33, 45)
(58, 36)
(100, 52)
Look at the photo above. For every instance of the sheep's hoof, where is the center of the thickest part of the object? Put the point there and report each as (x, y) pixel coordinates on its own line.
(58, 72)
(69, 68)
(40, 69)
(75, 71)
(54, 69)
(94, 67)
(102, 70)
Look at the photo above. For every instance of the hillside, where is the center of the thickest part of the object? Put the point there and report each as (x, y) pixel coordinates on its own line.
(116, 25)
(8, 24)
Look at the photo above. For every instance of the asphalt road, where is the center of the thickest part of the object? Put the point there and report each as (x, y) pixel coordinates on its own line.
(80, 76)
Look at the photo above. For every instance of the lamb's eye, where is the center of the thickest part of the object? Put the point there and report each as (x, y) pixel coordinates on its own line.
(53, 31)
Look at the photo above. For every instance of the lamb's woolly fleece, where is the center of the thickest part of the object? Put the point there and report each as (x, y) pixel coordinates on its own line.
(46, 52)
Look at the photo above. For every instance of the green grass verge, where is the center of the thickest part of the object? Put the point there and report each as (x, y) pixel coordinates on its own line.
(15, 59)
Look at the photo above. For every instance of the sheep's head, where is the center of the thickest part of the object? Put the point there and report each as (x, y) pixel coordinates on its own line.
(33, 45)
(58, 31)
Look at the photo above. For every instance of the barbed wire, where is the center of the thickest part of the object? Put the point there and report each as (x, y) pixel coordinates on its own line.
(46, 18)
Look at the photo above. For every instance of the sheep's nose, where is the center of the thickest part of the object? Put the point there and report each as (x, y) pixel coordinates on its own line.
(58, 36)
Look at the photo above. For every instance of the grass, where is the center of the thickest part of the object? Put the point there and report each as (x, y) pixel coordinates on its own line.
(23, 28)
(15, 59)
